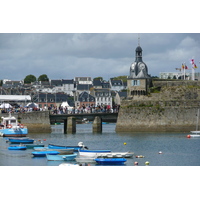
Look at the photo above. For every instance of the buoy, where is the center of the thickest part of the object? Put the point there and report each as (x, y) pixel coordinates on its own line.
(160, 152)
(124, 143)
(188, 136)
(44, 139)
(135, 163)
(141, 156)
(147, 163)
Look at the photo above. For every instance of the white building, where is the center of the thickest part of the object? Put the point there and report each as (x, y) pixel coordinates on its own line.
(102, 97)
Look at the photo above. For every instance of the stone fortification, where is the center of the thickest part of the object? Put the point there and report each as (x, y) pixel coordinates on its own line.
(169, 106)
(37, 122)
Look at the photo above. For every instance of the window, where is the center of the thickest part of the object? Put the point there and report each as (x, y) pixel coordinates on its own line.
(135, 82)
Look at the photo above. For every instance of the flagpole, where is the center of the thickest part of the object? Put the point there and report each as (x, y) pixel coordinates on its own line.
(184, 71)
(192, 73)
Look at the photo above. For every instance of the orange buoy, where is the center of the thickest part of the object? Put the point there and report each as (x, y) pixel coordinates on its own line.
(188, 136)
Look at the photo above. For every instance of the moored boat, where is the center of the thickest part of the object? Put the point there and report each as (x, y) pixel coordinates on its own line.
(76, 148)
(85, 159)
(110, 161)
(11, 128)
(61, 151)
(44, 153)
(195, 133)
(92, 153)
(32, 146)
(20, 147)
(68, 157)
(24, 140)
(116, 155)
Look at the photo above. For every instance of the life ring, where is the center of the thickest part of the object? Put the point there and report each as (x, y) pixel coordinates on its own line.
(9, 126)
(21, 126)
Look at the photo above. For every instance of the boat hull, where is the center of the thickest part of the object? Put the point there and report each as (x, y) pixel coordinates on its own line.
(110, 161)
(31, 146)
(21, 140)
(61, 151)
(115, 155)
(17, 148)
(85, 159)
(44, 153)
(20, 132)
(194, 135)
(68, 157)
(76, 148)
(92, 153)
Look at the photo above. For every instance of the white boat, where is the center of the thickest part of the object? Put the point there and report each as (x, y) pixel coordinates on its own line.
(11, 128)
(195, 133)
(92, 153)
(115, 155)
(85, 159)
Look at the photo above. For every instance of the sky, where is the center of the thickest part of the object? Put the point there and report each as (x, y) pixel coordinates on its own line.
(66, 39)
(69, 55)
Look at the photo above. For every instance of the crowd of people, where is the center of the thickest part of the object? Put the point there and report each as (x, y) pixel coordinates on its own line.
(64, 110)
(85, 109)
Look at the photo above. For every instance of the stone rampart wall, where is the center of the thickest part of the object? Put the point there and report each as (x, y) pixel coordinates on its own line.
(37, 122)
(171, 108)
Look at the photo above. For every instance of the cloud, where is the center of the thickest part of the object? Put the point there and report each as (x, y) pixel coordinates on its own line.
(66, 55)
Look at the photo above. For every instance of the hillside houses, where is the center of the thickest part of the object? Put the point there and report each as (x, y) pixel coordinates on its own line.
(80, 91)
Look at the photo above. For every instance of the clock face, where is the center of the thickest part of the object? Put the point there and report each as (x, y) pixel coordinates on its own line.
(142, 66)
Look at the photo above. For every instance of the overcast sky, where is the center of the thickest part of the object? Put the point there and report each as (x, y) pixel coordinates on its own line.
(67, 55)
(82, 38)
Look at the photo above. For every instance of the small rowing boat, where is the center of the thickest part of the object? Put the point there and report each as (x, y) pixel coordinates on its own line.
(20, 147)
(68, 157)
(110, 161)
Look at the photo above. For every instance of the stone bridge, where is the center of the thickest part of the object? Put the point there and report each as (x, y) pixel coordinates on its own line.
(70, 120)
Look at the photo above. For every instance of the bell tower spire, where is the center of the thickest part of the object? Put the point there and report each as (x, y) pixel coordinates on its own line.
(138, 39)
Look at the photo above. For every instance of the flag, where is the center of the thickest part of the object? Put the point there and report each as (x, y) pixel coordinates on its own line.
(183, 66)
(186, 67)
(192, 61)
(195, 66)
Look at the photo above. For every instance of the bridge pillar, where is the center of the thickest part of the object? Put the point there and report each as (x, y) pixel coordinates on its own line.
(97, 125)
(71, 125)
(65, 126)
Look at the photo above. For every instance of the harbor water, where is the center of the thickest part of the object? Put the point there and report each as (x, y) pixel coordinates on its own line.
(44, 179)
(159, 149)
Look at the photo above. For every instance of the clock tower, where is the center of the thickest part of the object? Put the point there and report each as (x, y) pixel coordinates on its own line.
(139, 79)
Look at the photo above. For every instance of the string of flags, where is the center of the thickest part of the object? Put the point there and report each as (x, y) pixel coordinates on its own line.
(194, 66)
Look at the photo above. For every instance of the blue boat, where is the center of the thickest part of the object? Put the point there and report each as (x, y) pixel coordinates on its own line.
(44, 153)
(68, 157)
(11, 128)
(110, 161)
(17, 147)
(21, 140)
(76, 148)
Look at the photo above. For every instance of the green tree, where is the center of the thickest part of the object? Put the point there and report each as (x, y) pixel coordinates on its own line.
(98, 78)
(43, 77)
(123, 78)
(30, 78)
